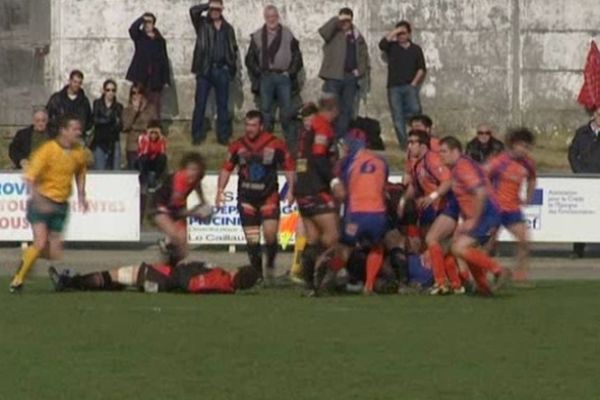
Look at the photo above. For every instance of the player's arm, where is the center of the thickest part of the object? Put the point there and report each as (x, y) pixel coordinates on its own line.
(224, 176)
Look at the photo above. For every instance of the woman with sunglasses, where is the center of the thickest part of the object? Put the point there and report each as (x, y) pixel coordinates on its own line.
(136, 117)
(108, 123)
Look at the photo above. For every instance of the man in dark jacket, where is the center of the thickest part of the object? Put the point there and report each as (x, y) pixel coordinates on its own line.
(29, 139)
(345, 62)
(70, 100)
(215, 65)
(406, 72)
(274, 61)
(584, 157)
(150, 63)
(485, 145)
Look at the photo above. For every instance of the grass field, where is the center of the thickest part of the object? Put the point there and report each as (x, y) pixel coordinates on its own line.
(527, 344)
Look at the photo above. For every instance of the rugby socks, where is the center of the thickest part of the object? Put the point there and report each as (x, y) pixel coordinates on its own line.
(93, 281)
(483, 287)
(30, 255)
(297, 260)
(374, 263)
(480, 259)
(436, 254)
(271, 252)
(309, 260)
(452, 271)
(399, 264)
(255, 256)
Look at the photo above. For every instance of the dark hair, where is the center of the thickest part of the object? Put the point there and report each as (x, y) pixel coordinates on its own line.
(245, 278)
(139, 87)
(405, 24)
(346, 11)
(149, 14)
(66, 119)
(308, 109)
(154, 124)
(424, 119)
(76, 73)
(255, 114)
(421, 135)
(109, 82)
(216, 1)
(192, 158)
(519, 135)
(452, 143)
(328, 103)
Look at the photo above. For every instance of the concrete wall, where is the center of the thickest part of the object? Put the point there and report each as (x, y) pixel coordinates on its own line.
(504, 61)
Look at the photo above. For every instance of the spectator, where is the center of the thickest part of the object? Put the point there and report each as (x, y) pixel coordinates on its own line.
(70, 100)
(484, 146)
(27, 140)
(108, 123)
(584, 157)
(406, 72)
(215, 65)
(136, 117)
(150, 63)
(152, 155)
(274, 61)
(345, 61)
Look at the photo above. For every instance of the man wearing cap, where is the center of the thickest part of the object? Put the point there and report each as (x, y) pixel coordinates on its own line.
(345, 62)
(215, 65)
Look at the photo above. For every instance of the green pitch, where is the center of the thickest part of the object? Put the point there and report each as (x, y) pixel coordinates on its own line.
(527, 344)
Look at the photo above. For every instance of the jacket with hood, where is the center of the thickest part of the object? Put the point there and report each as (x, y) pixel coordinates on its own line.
(60, 104)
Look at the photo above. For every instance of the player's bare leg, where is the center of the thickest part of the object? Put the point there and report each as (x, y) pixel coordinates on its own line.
(111, 280)
(176, 237)
(520, 232)
(322, 236)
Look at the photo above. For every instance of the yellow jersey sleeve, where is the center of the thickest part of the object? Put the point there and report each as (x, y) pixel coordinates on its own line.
(37, 162)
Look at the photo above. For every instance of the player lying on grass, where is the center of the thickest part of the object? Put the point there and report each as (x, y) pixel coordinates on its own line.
(192, 277)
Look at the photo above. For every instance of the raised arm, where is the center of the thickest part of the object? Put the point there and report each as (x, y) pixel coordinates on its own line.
(134, 30)
(196, 14)
(329, 29)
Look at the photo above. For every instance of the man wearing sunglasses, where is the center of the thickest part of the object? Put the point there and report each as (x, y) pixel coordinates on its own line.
(406, 72)
(214, 63)
(484, 146)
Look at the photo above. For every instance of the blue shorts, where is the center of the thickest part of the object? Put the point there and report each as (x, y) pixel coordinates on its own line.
(488, 224)
(427, 216)
(508, 218)
(419, 273)
(451, 209)
(364, 228)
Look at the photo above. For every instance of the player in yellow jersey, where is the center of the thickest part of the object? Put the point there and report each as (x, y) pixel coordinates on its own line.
(50, 178)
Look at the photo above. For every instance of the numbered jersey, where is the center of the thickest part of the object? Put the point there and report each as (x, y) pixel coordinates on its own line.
(364, 175)
(258, 161)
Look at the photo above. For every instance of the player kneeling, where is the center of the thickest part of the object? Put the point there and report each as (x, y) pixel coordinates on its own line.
(192, 277)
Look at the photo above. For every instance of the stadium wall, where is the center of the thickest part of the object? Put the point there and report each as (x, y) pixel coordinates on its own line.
(503, 61)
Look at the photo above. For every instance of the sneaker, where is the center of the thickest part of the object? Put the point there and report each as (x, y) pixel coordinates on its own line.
(58, 280)
(16, 287)
(437, 290)
(459, 290)
(298, 279)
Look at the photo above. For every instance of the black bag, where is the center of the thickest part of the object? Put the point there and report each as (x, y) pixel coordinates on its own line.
(372, 129)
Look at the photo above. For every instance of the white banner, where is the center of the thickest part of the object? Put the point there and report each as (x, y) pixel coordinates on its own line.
(114, 214)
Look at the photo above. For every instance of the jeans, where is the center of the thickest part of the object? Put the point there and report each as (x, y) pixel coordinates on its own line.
(217, 77)
(151, 169)
(404, 103)
(277, 87)
(105, 160)
(345, 91)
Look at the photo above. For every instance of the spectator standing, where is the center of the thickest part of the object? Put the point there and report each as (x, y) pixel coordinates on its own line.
(27, 140)
(150, 63)
(274, 61)
(584, 157)
(345, 62)
(108, 123)
(215, 65)
(70, 100)
(152, 155)
(136, 117)
(484, 146)
(406, 72)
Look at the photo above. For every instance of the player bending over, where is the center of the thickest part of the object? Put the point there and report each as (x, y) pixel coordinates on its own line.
(508, 172)
(49, 175)
(480, 214)
(192, 277)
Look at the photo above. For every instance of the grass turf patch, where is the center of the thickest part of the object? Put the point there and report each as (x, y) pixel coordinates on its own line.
(527, 344)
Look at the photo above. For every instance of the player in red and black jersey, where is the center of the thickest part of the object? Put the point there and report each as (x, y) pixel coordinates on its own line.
(258, 156)
(191, 277)
(314, 172)
(170, 204)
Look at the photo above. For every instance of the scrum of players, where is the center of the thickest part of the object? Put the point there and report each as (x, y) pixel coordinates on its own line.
(433, 232)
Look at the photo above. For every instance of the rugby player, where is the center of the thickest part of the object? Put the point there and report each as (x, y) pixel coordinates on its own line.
(430, 182)
(508, 172)
(314, 172)
(170, 205)
(480, 213)
(258, 156)
(192, 277)
(50, 174)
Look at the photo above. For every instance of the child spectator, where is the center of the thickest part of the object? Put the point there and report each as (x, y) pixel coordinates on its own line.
(152, 155)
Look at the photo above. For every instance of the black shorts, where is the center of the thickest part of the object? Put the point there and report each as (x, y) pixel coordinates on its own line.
(312, 205)
(254, 212)
(161, 275)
